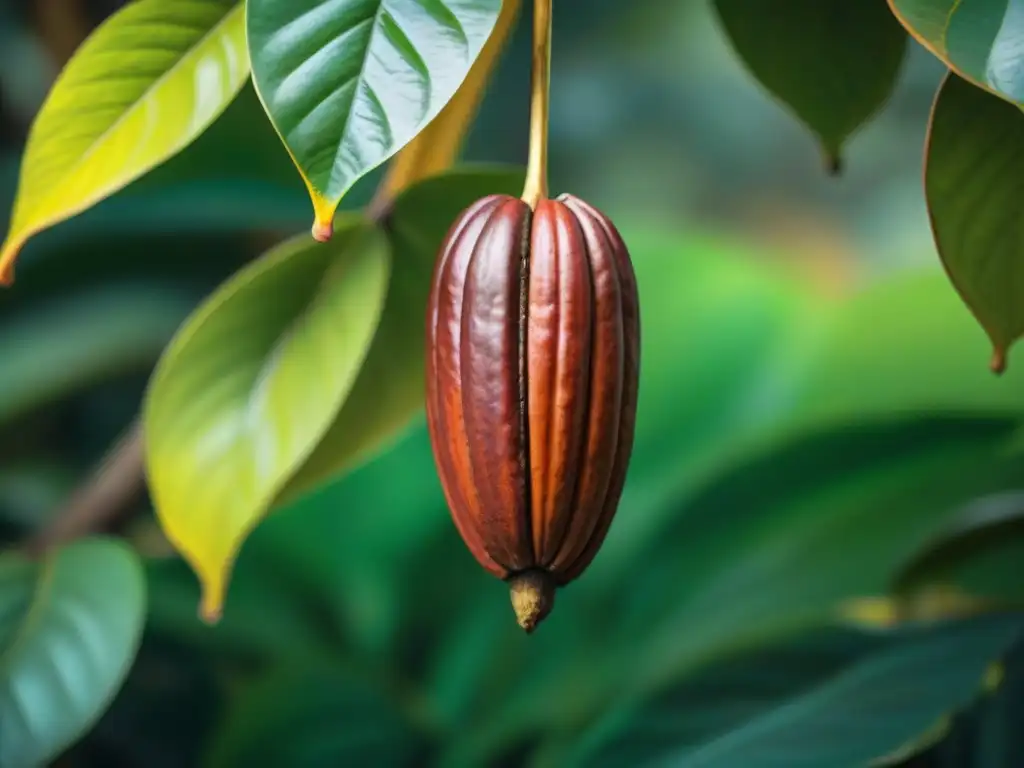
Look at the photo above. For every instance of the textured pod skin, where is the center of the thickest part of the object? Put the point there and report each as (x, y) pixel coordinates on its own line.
(533, 345)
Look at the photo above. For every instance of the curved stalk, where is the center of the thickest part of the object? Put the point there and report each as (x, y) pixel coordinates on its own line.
(536, 188)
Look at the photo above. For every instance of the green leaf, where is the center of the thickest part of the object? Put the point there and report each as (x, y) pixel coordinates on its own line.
(317, 715)
(69, 629)
(389, 390)
(972, 169)
(349, 84)
(978, 552)
(753, 553)
(978, 39)
(250, 385)
(833, 698)
(53, 349)
(144, 85)
(833, 62)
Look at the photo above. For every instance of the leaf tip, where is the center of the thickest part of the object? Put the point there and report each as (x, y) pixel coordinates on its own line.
(323, 230)
(323, 216)
(211, 605)
(834, 164)
(998, 362)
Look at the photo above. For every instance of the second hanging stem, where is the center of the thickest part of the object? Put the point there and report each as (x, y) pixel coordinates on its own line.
(536, 187)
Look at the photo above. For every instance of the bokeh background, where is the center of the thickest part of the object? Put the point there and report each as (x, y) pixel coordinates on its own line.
(774, 295)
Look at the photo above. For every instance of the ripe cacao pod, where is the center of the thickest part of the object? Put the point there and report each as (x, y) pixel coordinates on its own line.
(533, 345)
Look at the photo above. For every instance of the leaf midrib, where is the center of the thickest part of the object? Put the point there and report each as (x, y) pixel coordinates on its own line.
(374, 31)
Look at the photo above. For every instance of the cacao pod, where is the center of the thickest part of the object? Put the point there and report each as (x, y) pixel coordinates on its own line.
(533, 345)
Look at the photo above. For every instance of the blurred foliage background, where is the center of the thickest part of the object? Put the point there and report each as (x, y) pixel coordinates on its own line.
(817, 431)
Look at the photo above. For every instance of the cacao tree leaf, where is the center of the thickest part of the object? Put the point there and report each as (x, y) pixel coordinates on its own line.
(978, 39)
(250, 385)
(978, 552)
(347, 84)
(145, 84)
(314, 715)
(53, 349)
(69, 628)
(755, 531)
(972, 167)
(389, 389)
(833, 62)
(837, 697)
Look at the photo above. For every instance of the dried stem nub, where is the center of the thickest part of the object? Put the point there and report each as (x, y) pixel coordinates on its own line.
(533, 597)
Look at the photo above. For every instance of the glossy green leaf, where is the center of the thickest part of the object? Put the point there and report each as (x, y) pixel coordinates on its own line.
(783, 537)
(978, 39)
(250, 385)
(979, 552)
(145, 84)
(53, 349)
(389, 390)
(835, 698)
(972, 170)
(347, 84)
(317, 715)
(69, 629)
(833, 62)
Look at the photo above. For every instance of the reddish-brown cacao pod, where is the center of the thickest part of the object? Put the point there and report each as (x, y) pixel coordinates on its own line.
(533, 346)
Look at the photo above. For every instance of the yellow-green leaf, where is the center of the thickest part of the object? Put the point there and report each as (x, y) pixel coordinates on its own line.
(250, 385)
(144, 85)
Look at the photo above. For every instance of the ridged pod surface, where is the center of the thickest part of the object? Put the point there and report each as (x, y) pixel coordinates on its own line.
(533, 347)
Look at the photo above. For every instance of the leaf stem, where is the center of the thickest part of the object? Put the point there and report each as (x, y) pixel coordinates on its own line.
(536, 188)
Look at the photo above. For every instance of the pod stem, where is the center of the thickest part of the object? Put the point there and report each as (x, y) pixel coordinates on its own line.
(533, 597)
(536, 188)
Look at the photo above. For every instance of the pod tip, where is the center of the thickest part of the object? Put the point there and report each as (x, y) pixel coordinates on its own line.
(533, 597)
